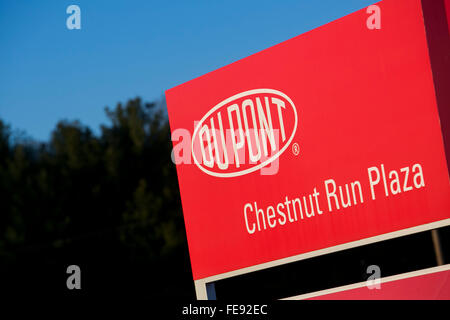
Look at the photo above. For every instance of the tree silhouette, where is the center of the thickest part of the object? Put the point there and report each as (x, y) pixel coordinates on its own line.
(108, 203)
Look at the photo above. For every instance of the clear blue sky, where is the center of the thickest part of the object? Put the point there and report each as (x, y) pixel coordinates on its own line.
(131, 48)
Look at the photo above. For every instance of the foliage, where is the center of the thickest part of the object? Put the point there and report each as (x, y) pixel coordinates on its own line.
(111, 199)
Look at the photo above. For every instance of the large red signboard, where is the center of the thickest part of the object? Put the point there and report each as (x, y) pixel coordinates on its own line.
(328, 138)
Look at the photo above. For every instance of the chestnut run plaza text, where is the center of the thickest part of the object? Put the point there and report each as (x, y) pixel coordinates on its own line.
(381, 182)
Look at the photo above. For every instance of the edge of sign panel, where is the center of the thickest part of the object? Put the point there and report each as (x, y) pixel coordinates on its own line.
(200, 284)
(262, 51)
(436, 17)
(402, 276)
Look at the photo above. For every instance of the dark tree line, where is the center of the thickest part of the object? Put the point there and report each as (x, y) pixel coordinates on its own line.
(108, 203)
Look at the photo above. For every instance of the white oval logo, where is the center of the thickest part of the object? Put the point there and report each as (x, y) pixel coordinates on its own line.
(244, 133)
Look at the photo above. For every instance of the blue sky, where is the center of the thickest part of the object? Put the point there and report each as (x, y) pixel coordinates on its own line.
(131, 48)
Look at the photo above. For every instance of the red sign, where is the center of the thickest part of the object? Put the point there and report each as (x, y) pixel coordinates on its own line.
(327, 139)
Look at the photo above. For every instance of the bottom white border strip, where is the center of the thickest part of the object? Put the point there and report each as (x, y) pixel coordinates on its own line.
(363, 284)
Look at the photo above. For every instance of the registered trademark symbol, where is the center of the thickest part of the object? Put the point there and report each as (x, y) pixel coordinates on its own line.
(295, 149)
